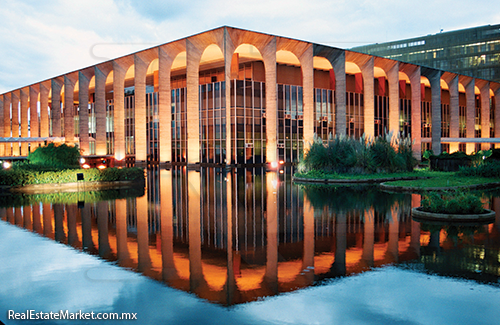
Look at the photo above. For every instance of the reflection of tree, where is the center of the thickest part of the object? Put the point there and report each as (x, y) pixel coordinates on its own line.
(343, 199)
(18, 200)
(465, 252)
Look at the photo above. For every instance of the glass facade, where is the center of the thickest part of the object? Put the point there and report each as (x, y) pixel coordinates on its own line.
(381, 115)
(324, 113)
(473, 52)
(179, 125)
(426, 111)
(290, 121)
(355, 114)
(405, 117)
(213, 122)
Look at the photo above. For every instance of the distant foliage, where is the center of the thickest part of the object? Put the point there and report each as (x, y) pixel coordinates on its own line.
(343, 154)
(490, 169)
(55, 156)
(460, 202)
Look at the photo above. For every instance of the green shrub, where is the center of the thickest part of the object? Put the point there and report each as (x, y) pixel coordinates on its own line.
(342, 154)
(20, 176)
(490, 169)
(462, 202)
(55, 156)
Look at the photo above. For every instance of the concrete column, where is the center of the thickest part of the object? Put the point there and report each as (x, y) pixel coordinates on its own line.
(416, 112)
(435, 80)
(83, 102)
(69, 112)
(306, 62)
(100, 112)
(269, 56)
(454, 113)
(367, 258)
(164, 102)
(271, 273)
(193, 55)
(34, 125)
(340, 90)
(169, 272)
(44, 110)
(119, 110)
(56, 108)
(231, 67)
(140, 70)
(24, 119)
(471, 113)
(369, 97)
(393, 79)
(15, 122)
(497, 115)
(485, 114)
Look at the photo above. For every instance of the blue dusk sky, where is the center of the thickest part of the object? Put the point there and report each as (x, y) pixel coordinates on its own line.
(43, 39)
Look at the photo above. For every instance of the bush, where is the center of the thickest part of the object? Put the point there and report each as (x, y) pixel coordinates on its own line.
(55, 156)
(342, 154)
(452, 203)
(490, 169)
(20, 176)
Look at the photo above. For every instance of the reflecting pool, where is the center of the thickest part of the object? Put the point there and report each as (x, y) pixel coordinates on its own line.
(245, 246)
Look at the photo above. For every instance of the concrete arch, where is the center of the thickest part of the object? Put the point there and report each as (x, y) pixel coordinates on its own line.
(305, 53)
(266, 45)
(195, 48)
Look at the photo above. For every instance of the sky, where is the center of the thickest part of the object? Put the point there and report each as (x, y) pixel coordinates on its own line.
(43, 39)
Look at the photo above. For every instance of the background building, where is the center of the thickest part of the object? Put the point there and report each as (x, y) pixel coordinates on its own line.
(472, 52)
(231, 96)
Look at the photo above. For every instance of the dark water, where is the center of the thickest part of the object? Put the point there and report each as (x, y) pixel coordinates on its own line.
(246, 246)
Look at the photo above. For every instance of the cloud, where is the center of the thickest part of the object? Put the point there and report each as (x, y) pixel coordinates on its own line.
(40, 40)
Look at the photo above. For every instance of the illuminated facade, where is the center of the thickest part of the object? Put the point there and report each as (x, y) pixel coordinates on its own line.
(472, 52)
(231, 96)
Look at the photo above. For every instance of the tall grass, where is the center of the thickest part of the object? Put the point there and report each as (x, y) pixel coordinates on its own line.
(343, 154)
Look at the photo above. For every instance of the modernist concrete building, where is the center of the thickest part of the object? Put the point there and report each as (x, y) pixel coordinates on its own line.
(232, 96)
(472, 52)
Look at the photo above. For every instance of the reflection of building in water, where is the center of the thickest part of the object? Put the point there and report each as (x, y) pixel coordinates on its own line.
(234, 236)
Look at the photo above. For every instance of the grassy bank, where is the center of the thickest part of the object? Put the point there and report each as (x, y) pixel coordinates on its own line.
(447, 179)
(316, 174)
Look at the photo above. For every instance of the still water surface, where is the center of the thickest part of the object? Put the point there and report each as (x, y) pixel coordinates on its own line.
(246, 246)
